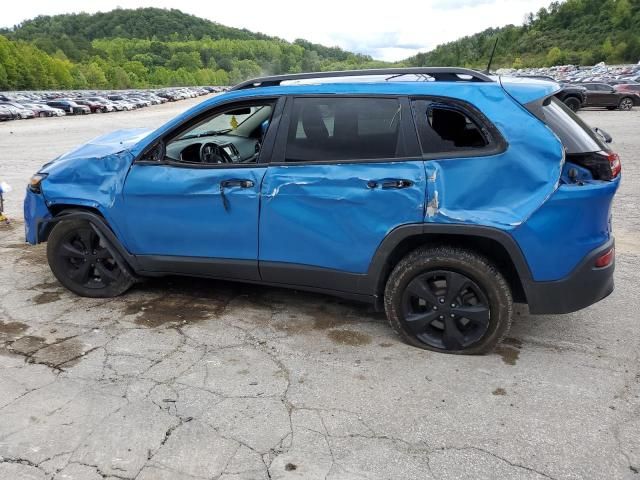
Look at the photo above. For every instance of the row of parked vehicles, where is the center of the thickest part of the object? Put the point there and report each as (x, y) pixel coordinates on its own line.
(600, 86)
(23, 105)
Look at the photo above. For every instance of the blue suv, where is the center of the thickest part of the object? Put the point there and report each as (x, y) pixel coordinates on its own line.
(442, 195)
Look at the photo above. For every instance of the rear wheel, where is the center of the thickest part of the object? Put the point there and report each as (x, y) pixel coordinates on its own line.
(573, 103)
(82, 263)
(626, 104)
(449, 300)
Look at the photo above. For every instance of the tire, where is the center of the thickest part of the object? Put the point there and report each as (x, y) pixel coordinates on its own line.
(82, 264)
(42, 114)
(479, 290)
(626, 104)
(573, 103)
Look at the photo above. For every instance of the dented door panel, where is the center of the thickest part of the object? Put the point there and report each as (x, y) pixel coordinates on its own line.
(332, 216)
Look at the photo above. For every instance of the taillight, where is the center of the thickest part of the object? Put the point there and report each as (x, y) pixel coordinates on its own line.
(614, 163)
(602, 165)
(606, 259)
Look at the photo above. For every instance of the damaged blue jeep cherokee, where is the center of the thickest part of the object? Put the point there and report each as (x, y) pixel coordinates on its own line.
(443, 195)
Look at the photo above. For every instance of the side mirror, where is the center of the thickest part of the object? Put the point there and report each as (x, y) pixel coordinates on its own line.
(155, 154)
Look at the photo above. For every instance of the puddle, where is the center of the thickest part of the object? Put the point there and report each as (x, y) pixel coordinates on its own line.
(46, 297)
(349, 337)
(33, 254)
(509, 350)
(11, 330)
(66, 352)
(185, 301)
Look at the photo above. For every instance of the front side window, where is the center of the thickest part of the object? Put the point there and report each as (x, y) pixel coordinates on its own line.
(333, 129)
(231, 136)
(449, 128)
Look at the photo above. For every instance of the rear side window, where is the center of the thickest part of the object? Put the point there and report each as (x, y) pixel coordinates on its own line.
(330, 129)
(450, 129)
(574, 133)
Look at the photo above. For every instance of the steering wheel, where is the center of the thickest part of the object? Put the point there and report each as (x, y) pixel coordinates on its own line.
(212, 153)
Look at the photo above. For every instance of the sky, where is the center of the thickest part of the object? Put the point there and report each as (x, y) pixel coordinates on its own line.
(387, 30)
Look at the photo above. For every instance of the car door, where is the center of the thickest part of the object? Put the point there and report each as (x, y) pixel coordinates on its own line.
(185, 216)
(345, 172)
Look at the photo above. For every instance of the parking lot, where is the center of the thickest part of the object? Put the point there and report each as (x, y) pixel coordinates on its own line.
(197, 379)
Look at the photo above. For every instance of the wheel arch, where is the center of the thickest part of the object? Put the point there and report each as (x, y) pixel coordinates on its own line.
(100, 224)
(495, 244)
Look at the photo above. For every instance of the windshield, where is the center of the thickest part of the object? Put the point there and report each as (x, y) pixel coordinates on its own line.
(574, 133)
(239, 123)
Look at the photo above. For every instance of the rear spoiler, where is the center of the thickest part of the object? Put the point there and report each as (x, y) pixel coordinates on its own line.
(528, 90)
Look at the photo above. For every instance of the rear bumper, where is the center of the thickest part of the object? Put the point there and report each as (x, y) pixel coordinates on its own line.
(584, 286)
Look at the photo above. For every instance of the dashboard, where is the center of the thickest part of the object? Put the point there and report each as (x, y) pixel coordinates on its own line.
(214, 149)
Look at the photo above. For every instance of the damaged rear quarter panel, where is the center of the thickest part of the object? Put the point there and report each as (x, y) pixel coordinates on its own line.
(500, 190)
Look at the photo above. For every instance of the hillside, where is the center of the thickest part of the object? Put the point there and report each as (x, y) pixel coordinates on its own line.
(581, 32)
(150, 47)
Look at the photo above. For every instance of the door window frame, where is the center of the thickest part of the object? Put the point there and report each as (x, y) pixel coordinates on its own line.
(406, 130)
(496, 141)
(266, 150)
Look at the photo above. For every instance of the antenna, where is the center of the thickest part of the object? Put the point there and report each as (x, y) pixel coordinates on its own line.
(493, 52)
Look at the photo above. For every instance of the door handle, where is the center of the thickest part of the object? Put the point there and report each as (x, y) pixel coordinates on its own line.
(396, 183)
(236, 182)
(233, 182)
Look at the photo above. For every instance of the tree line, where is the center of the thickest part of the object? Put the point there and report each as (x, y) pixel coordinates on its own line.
(150, 48)
(578, 32)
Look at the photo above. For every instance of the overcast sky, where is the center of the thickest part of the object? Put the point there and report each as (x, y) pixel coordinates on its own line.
(386, 30)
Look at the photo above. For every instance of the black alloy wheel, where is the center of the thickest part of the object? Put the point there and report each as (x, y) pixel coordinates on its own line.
(448, 299)
(83, 263)
(86, 262)
(446, 310)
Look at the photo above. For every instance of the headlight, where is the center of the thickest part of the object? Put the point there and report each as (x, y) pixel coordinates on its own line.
(35, 182)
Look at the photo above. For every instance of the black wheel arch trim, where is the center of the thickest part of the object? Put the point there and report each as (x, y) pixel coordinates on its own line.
(127, 262)
(379, 267)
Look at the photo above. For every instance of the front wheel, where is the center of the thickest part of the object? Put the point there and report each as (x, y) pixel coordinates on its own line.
(448, 300)
(82, 262)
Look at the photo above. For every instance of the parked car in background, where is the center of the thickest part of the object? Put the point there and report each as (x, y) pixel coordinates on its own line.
(70, 107)
(628, 87)
(6, 113)
(110, 106)
(95, 107)
(603, 95)
(41, 110)
(573, 96)
(22, 111)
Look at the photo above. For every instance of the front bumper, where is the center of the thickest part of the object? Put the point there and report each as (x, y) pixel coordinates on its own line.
(36, 216)
(584, 286)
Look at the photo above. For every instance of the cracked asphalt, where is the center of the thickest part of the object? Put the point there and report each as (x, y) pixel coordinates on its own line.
(196, 379)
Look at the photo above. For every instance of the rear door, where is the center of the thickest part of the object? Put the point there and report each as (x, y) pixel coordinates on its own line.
(345, 172)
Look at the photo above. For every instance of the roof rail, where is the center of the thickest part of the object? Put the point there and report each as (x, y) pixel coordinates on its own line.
(442, 74)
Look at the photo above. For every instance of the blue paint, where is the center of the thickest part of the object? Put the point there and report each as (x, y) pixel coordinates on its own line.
(323, 215)
(326, 216)
(35, 214)
(180, 211)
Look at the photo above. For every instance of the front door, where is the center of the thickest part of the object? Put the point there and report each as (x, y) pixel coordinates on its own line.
(196, 211)
(344, 173)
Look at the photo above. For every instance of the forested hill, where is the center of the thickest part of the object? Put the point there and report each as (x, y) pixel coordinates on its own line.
(581, 32)
(151, 47)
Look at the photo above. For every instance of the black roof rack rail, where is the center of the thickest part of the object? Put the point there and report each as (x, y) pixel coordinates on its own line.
(442, 74)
